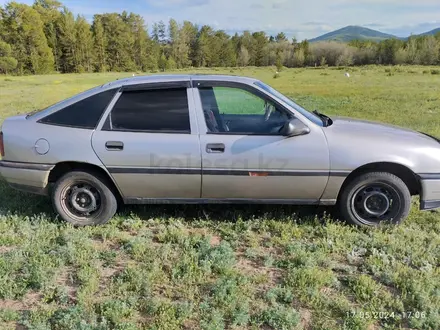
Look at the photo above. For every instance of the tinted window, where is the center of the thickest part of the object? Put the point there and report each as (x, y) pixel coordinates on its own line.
(235, 110)
(163, 110)
(83, 114)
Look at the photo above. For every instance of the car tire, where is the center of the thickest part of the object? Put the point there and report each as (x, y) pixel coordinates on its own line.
(84, 199)
(375, 198)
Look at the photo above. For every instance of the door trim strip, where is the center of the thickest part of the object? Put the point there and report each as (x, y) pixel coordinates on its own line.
(223, 172)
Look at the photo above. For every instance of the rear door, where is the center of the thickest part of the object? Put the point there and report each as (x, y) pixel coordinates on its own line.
(149, 143)
(245, 157)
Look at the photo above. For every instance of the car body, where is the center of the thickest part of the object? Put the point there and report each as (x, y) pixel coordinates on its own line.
(212, 139)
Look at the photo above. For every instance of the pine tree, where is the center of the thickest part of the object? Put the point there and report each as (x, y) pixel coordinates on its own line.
(100, 47)
(141, 42)
(84, 45)
(24, 32)
(161, 32)
(69, 59)
(49, 11)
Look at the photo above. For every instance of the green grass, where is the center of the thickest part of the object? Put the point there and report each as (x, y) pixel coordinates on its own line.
(235, 267)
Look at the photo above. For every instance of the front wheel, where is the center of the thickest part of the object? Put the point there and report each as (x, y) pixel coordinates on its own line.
(375, 198)
(83, 199)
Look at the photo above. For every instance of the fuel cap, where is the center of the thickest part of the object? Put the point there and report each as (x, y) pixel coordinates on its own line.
(42, 146)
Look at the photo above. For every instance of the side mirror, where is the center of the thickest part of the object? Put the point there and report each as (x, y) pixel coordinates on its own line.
(295, 127)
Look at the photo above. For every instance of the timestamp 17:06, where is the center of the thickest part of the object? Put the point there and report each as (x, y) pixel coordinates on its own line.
(387, 315)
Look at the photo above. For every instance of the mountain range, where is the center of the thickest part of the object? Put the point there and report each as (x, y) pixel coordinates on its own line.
(351, 32)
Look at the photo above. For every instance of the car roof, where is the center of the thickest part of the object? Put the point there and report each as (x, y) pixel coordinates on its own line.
(160, 78)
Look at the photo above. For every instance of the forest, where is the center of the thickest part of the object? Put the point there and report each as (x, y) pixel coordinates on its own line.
(47, 37)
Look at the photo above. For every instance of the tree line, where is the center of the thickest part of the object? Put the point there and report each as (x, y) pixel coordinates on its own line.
(47, 37)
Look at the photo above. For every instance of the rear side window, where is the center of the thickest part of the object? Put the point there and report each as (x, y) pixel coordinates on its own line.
(160, 110)
(83, 114)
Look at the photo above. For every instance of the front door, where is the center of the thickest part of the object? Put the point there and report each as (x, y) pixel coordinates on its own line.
(149, 144)
(245, 157)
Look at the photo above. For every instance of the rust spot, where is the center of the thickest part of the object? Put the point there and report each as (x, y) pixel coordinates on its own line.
(258, 174)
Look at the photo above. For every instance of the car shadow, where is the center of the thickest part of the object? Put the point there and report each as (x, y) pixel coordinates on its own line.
(28, 205)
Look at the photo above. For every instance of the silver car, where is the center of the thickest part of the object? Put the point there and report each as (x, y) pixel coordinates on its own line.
(213, 139)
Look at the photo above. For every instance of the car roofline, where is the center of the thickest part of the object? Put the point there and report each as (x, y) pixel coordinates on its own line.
(160, 78)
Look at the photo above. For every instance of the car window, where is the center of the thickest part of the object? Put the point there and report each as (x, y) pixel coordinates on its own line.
(238, 111)
(309, 115)
(162, 110)
(83, 114)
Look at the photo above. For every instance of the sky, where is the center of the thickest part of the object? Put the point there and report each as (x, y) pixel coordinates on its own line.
(300, 19)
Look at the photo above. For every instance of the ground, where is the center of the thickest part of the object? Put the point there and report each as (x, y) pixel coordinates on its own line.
(236, 267)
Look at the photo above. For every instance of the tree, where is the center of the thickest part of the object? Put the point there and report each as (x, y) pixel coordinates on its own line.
(281, 37)
(84, 45)
(429, 50)
(24, 33)
(161, 32)
(260, 42)
(163, 62)
(201, 48)
(299, 58)
(170, 64)
(279, 62)
(100, 47)
(243, 57)
(7, 62)
(49, 11)
(119, 41)
(68, 42)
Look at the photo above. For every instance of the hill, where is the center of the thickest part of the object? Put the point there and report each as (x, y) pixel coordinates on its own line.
(430, 33)
(349, 33)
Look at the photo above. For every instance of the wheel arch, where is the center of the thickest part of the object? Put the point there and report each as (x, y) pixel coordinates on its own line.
(401, 171)
(62, 168)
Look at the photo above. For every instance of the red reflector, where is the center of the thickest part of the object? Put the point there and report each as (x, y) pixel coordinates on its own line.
(2, 146)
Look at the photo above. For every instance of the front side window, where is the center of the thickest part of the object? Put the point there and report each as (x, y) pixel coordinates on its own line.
(238, 111)
(309, 115)
(163, 110)
(83, 114)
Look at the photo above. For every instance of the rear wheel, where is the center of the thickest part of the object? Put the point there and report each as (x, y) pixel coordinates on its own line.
(84, 199)
(375, 198)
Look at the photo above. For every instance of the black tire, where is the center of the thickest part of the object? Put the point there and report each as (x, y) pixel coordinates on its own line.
(366, 197)
(84, 199)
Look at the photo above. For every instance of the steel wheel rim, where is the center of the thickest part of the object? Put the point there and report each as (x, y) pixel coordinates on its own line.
(81, 200)
(375, 203)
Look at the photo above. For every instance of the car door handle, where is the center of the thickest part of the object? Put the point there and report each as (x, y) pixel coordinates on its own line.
(114, 145)
(215, 148)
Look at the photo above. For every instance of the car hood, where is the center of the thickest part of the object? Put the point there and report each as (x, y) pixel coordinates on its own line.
(358, 126)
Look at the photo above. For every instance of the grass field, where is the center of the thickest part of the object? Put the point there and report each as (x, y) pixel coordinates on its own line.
(235, 267)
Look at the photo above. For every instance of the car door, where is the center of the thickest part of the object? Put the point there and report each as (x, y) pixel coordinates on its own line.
(149, 143)
(244, 155)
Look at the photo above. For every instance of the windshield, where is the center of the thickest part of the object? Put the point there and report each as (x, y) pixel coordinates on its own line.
(309, 115)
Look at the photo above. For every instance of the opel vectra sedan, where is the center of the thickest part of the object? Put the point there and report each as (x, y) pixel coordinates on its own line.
(213, 139)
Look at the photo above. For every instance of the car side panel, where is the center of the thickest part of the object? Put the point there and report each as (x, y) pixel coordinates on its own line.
(152, 165)
(351, 148)
(65, 143)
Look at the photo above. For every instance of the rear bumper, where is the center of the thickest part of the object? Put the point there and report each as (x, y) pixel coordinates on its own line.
(430, 194)
(28, 177)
